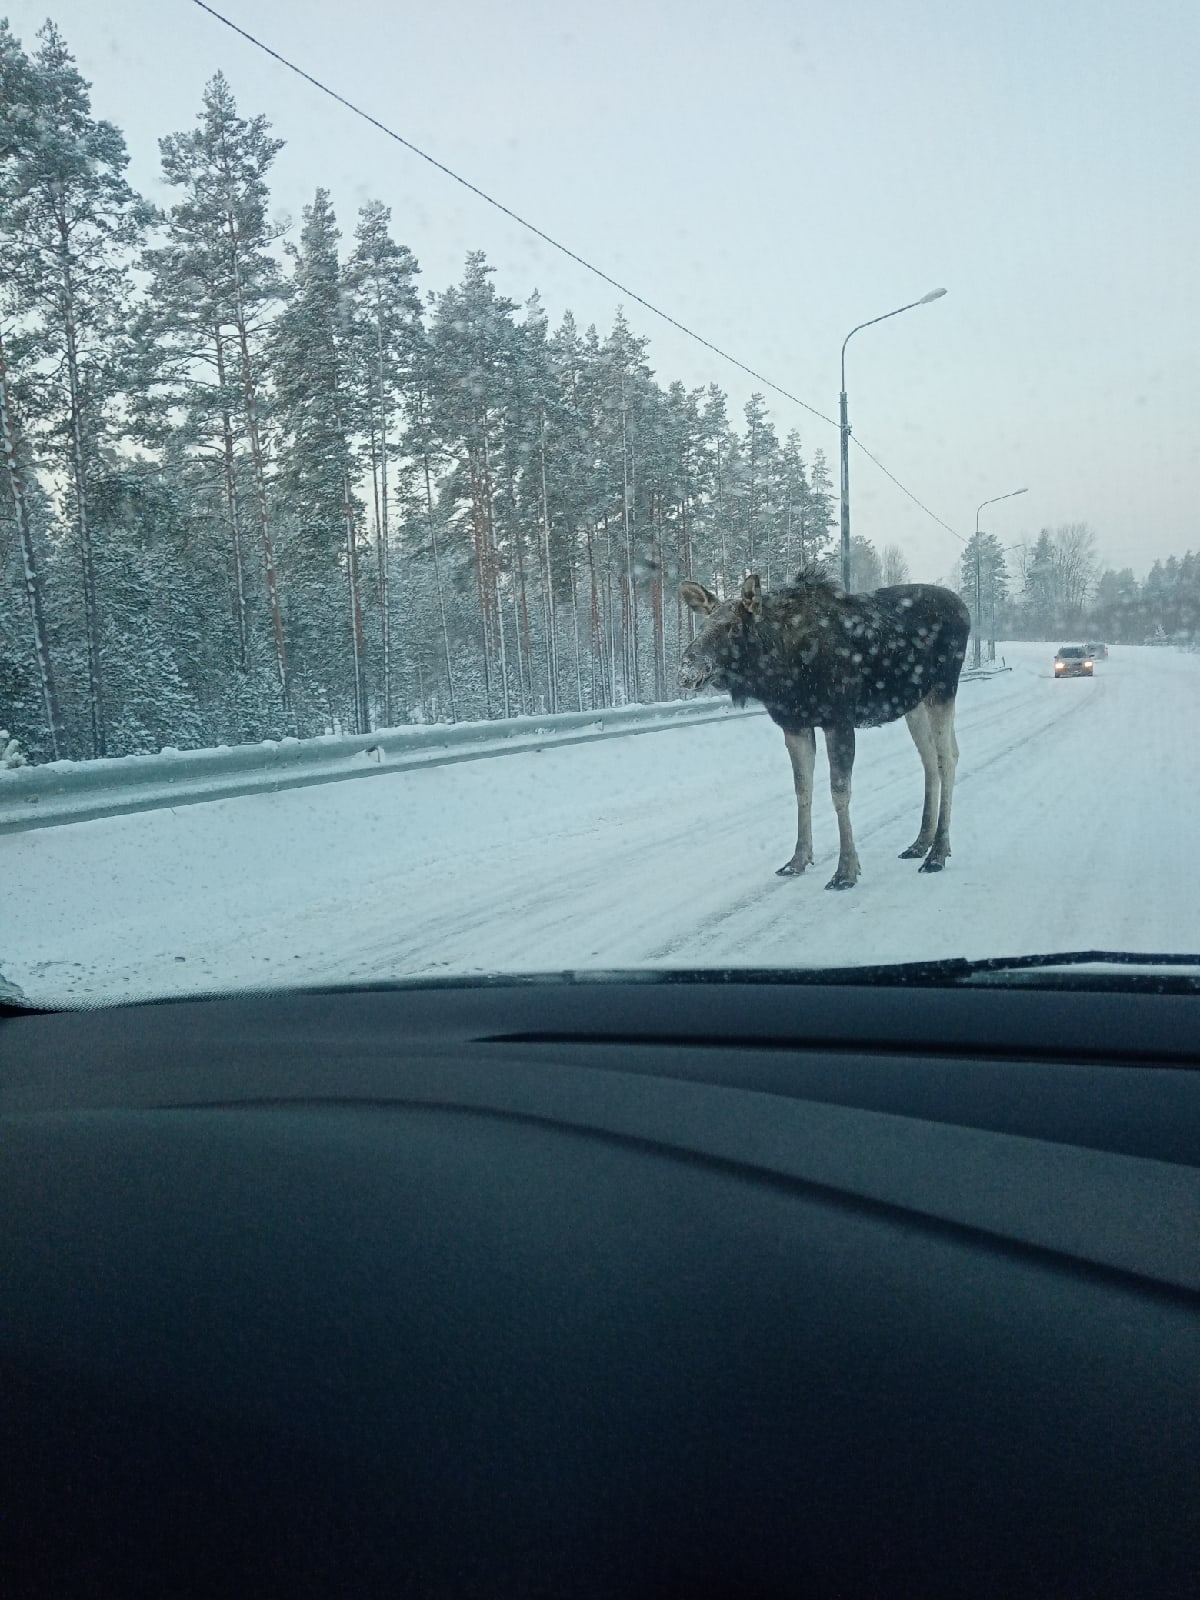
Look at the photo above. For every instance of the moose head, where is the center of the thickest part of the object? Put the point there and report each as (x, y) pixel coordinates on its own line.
(725, 645)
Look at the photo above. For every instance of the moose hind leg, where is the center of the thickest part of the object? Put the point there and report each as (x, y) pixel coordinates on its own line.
(839, 746)
(922, 736)
(941, 722)
(802, 748)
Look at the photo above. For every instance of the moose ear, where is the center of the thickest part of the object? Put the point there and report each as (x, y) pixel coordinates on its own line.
(697, 598)
(752, 594)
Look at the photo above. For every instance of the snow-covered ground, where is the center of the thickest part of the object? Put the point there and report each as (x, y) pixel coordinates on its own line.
(1075, 826)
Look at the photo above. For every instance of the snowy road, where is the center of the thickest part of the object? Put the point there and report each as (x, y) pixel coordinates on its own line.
(1074, 827)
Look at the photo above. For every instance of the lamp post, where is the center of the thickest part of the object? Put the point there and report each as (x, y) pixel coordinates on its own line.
(1012, 494)
(934, 294)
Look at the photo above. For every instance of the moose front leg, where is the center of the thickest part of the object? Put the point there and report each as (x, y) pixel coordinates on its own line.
(839, 747)
(802, 748)
(922, 737)
(941, 723)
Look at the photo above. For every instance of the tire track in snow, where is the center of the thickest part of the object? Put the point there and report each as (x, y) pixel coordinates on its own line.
(752, 918)
(625, 901)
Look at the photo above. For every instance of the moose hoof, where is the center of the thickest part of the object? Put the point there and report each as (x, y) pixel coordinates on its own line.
(931, 865)
(913, 851)
(840, 881)
(794, 867)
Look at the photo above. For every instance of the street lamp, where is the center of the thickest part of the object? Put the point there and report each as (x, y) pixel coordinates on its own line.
(934, 294)
(1011, 495)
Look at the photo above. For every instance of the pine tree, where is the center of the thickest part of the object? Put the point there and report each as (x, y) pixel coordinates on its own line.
(1041, 586)
(474, 342)
(17, 488)
(163, 681)
(682, 440)
(822, 515)
(386, 332)
(311, 368)
(579, 486)
(760, 469)
(523, 509)
(216, 287)
(626, 415)
(710, 542)
(18, 101)
(537, 380)
(425, 456)
(984, 579)
(576, 478)
(794, 507)
(68, 220)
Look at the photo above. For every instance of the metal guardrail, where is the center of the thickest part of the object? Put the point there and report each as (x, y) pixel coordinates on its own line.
(66, 791)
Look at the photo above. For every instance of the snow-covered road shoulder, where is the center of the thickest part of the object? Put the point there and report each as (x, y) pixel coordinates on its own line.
(80, 791)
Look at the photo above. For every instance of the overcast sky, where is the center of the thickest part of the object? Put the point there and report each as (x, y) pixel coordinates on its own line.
(773, 173)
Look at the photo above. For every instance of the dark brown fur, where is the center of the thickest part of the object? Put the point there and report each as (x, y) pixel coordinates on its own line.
(818, 658)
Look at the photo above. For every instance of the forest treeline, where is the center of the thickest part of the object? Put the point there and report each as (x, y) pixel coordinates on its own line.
(259, 480)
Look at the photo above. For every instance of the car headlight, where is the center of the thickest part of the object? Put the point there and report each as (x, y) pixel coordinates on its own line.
(1088, 663)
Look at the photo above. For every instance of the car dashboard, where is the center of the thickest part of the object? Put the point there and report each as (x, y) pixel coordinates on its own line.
(603, 1288)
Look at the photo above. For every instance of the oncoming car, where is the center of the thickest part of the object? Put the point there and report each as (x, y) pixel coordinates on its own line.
(1098, 652)
(1073, 661)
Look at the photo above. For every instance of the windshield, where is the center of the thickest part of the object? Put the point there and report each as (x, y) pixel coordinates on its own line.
(489, 490)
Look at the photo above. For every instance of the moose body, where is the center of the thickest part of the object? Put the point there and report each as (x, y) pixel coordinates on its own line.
(817, 658)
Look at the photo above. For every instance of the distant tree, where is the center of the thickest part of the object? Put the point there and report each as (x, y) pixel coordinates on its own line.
(866, 569)
(719, 450)
(895, 564)
(1076, 567)
(1169, 600)
(759, 470)
(1040, 596)
(1119, 609)
(983, 580)
(1116, 588)
(822, 505)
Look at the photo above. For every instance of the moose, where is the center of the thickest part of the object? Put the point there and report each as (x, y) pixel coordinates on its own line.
(816, 657)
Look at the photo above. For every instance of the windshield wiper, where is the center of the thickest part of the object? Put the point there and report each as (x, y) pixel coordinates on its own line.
(1161, 972)
(1127, 970)
(1123, 971)
(1171, 972)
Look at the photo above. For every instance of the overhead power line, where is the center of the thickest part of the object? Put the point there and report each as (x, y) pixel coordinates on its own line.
(556, 244)
(960, 537)
(513, 215)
